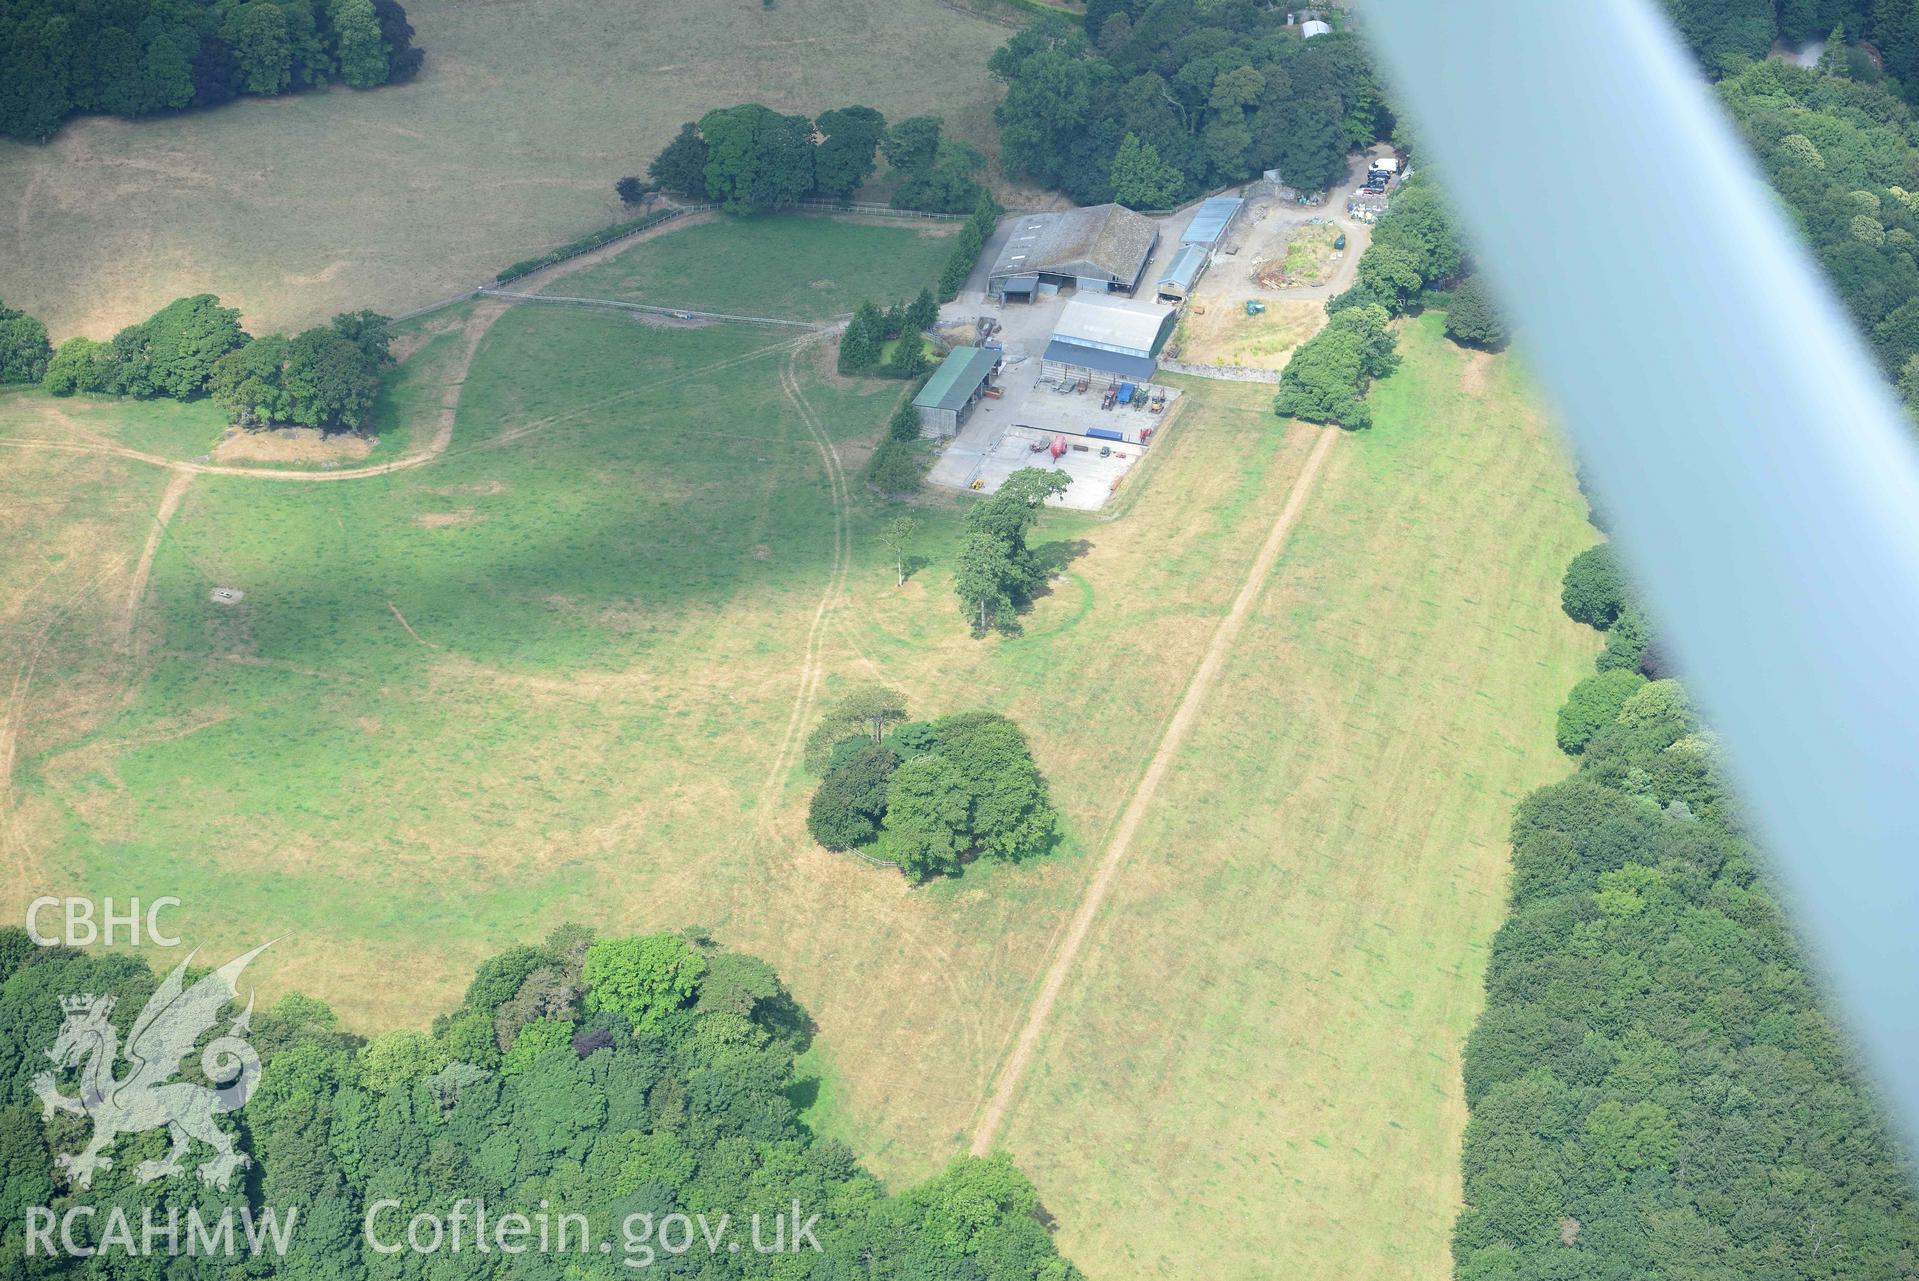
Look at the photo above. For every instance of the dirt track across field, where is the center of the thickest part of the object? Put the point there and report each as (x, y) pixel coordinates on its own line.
(1121, 841)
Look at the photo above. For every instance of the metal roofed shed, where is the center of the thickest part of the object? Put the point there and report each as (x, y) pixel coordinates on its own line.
(1102, 248)
(1182, 273)
(1107, 343)
(955, 387)
(1211, 221)
(1314, 27)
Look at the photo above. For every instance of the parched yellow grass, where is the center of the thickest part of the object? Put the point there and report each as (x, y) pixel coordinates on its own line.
(508, 143)
(1256, 1071)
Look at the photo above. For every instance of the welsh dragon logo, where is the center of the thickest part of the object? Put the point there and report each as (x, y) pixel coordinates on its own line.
(150, 1095)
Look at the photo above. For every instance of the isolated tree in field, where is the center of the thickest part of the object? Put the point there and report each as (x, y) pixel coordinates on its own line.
(631, 191)
(1141, 180)
(24, 350)
(894, 537)
(1594, 589)
(844, 158)
(998, 572)
(681, 166)
(1473, 318)
(926, 817)
(981, 579)
(644, 978)
(860, 341)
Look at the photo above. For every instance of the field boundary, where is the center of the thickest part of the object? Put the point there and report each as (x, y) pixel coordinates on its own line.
(1120, 843)
(650, 309)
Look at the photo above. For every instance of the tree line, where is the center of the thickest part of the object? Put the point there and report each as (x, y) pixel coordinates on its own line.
(605, 1076)
(926, 795)
(750, 159)
(1655, 1085)
(1417, 257)
(328, 376)
(60, 58)
(1148, 102)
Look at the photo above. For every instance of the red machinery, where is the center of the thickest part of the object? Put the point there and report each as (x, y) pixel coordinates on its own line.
(1059, 446)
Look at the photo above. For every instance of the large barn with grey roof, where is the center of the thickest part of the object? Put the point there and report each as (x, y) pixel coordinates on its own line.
(1102, 249)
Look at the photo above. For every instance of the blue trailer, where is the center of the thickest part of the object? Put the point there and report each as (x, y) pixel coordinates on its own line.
(1126, 393)
(1105, 433)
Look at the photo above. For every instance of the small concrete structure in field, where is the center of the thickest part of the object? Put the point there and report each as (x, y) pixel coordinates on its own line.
(1099, 249)
(1106, 344)
(1181, 274)
(1211, 221)
(947, 399)
(227, 595)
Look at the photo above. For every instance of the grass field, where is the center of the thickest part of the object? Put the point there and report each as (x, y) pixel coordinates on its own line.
(555, 673)
(508, 143)
(1304, 925)
(814, 268)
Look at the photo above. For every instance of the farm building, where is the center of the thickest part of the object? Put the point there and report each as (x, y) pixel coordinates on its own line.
(1182, 273)
(955, 387)
(1100, 249)
(1314, 27)
(1108, 343)
(1211, 221)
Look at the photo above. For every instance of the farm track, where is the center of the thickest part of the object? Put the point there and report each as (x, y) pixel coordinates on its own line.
(1120, 843)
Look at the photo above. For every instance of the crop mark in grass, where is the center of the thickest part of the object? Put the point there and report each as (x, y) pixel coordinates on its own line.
(409, 626)
(1121, 841)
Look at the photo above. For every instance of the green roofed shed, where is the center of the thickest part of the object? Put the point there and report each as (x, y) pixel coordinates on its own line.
(954, 388)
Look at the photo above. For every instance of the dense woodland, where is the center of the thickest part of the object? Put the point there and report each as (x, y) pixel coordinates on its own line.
(60, 58)
(1148, 102)
(614, 1077)
(1656, 1090)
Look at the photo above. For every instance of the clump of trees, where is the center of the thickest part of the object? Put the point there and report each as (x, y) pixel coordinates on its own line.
(751, 159)
(1326, 379)
(328, 376)
(1655, 1063)
(866, 334)
(600, 1076)
(1149, 103)
(999, 572)
(927, 795)
(142, 57)
(936, 174)
(24, 350)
